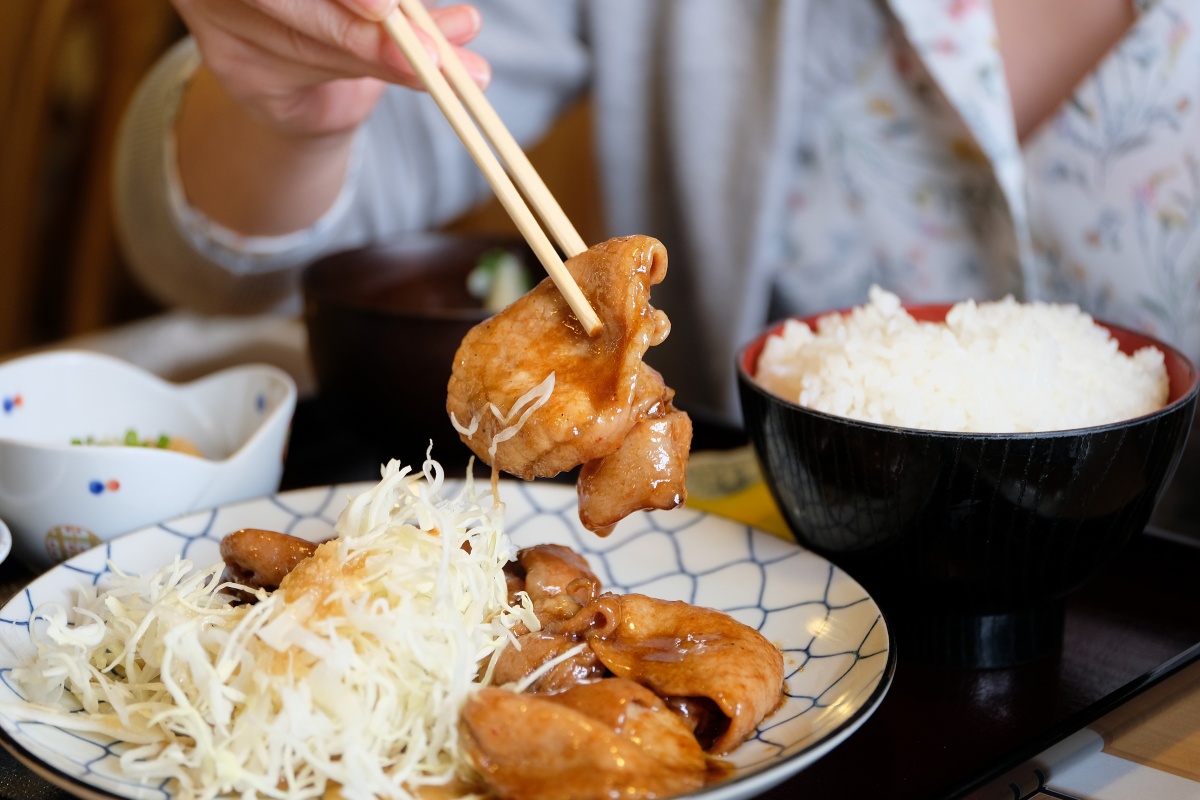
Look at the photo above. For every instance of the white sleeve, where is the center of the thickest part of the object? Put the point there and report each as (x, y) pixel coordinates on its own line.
(408, 170)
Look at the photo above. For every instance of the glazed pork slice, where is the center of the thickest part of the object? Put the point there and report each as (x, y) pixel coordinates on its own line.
(648, 470)
(559, 583)
(684, 651)
(261, 559)
(500, 396)
(557, 579)
(608, 739)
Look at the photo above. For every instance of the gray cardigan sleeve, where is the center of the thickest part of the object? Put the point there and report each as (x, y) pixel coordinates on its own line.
(408, 171)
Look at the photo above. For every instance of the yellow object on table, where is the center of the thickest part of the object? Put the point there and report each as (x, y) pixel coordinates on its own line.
(1159, 729)
(728, 483)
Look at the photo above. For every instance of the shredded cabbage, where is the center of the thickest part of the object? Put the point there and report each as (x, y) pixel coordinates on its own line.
(350, 676)
(525, 405)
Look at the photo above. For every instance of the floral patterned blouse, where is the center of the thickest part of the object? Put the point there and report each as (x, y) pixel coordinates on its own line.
(924, 188)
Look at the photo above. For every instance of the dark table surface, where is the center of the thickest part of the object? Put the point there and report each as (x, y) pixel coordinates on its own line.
(938, 732)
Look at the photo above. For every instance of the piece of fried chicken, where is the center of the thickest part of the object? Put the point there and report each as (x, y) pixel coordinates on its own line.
(607, 410)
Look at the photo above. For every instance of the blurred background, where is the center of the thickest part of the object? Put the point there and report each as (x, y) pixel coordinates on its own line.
(67, 70)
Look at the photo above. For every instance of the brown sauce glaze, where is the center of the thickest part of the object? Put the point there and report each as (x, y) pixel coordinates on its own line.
(702, 716)
(261, 559)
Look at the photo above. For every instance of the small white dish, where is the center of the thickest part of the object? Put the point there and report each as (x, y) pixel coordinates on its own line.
(61, 498)
(5, 541)
(838, 654)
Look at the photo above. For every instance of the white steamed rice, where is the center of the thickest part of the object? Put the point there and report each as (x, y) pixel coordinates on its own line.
(996, 367)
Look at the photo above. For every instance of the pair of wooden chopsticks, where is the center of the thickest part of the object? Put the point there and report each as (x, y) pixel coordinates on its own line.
(443, 89)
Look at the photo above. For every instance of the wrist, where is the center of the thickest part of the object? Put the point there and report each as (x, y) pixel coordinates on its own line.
(248, 175)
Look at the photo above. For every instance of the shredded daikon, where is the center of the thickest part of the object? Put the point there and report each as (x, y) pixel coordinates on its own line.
(350, 675)
(525, 405)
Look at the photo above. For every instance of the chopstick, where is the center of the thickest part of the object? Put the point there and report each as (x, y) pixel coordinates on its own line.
(456, 114)
(522, 172)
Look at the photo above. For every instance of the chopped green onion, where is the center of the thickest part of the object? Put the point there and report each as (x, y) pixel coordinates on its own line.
(498, 279)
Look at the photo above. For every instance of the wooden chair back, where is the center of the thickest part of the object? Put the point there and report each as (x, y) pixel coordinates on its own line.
(67, 70)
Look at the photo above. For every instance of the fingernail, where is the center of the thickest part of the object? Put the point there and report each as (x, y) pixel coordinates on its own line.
(431, 48)
(375, 9)
(458, 23)
(477, 67)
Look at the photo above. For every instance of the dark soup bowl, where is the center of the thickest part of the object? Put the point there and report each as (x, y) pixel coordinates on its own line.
(969, 541)
(383, 325)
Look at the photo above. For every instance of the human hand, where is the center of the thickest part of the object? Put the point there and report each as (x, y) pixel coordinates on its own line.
(308, 68)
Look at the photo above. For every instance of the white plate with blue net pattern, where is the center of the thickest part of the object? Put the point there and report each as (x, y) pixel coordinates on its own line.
(838, 654)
